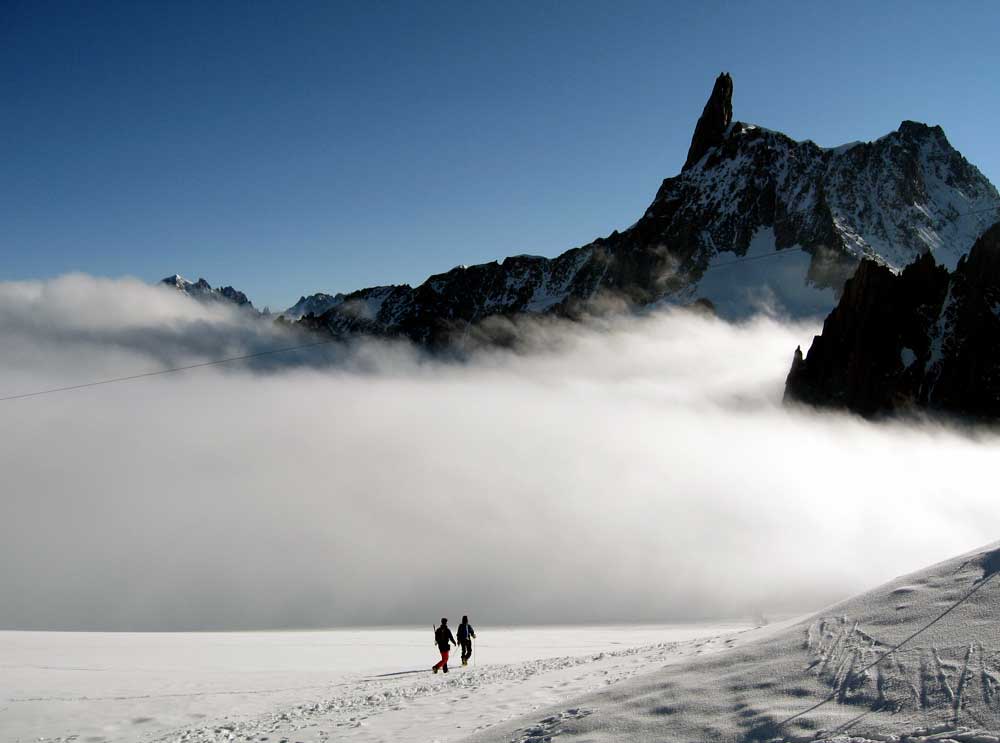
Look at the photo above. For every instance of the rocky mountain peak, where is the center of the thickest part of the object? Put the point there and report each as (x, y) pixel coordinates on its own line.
(918, 129)
(715, 119)
(177, 281)
(747, 193)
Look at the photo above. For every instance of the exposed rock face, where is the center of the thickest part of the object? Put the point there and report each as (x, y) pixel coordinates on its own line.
(202, 290)
(925, 339)
(715, 119)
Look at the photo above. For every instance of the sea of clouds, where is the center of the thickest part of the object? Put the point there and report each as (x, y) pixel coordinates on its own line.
(626, 468)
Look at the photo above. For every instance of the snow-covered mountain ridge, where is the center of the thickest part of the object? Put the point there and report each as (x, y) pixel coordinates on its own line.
(202, 290)
(314, 304)
(893, 199)
(745, 191)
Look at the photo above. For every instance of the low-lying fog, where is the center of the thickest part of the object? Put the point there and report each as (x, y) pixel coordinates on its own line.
(631, 469)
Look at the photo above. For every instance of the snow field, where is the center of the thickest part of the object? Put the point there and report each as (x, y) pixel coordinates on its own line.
(351, 684)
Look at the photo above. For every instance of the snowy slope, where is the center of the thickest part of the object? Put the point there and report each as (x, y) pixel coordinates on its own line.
(945, 681)
(769, 281)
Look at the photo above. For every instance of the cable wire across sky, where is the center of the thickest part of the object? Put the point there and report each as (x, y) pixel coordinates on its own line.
(171, 370)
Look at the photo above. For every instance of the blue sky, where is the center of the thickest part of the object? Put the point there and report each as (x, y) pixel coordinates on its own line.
(288, 148)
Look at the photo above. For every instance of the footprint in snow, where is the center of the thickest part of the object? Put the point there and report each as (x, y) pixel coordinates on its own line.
(550, 727)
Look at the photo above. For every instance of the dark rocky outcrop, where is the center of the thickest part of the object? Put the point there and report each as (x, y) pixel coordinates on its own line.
(235, 296)
(715, 119)
(925, 339)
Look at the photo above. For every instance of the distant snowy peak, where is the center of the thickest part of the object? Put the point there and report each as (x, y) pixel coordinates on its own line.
(203, 291)
(362, 306)
(180, 283)
(314, 304)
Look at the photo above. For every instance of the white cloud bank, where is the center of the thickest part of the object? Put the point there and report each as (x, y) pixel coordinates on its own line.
(637, 469)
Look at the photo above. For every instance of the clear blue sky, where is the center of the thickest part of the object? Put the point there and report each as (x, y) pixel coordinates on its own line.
(295, 147)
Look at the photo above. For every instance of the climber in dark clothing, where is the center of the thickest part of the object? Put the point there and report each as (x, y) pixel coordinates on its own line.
(465, 637)
(444, 640)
